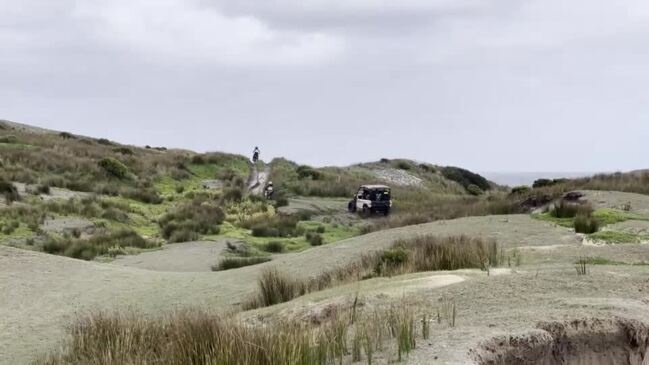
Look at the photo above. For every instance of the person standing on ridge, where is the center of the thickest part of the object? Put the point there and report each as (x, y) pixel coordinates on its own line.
(255, 154)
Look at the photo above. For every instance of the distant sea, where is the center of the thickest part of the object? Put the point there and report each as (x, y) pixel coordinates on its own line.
(527, 178)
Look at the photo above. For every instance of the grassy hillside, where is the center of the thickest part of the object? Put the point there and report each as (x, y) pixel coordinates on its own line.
(86, 197)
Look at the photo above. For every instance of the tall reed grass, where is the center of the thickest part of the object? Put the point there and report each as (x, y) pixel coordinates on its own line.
(198, 337)
(425, 253)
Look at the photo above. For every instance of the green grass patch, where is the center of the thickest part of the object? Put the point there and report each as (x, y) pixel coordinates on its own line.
(605, 261)
(17, 146)
(618, 237)
(611, 216)
(604, 216)
(547, 217)
(332, 233)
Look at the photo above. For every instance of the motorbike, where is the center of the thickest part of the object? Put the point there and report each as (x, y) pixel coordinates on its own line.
(255, 157)
(268, 193)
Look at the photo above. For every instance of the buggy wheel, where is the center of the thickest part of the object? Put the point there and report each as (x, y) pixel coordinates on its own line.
(351, 207)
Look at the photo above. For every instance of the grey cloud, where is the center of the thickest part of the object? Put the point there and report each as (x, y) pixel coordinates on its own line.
(490, 85)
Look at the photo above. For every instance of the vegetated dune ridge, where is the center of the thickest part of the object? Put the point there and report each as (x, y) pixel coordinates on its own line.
(48, 290)
(45, 292)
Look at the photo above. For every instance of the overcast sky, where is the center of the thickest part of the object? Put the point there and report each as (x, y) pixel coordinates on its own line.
(491, 85)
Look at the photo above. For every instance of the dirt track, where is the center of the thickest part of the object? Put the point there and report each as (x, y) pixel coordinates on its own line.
(44, 292)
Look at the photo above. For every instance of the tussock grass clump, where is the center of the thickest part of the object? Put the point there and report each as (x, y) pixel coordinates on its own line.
(200, 338)
(278, 226)
(315, 239)
(426, 253)
(274, 247)
(276, 287)
(101, 244)
(585, 223)
(582, 266)
(565, 209)
(188, 221)
(237, 262)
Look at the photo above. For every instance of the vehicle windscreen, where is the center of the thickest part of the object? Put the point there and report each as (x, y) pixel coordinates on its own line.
(380, 195)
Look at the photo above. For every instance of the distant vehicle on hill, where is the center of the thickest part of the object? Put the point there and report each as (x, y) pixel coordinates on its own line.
(371, 199)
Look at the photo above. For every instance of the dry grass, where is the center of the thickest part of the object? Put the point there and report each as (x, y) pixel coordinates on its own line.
(197, 337)
(230, 263)
(425, 253)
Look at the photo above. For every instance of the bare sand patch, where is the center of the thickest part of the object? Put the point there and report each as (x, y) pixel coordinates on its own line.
(198, 256)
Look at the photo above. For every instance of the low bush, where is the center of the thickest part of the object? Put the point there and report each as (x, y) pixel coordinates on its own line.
(188, 221)
(315, 239)
(404, 165)
(274, 247)
(277, 226)
(8, 139)
(144, 195)
(540, 183)
(234, 195)
(123, 150)
(519, 190)
(280, 200)
(88, 249)
(465, 177)
(474, 190)
(308, 172)
(237, 262)
(114, 167)
(9, 191)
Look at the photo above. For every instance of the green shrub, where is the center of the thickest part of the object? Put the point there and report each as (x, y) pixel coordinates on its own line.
(9, 191)
(188, 221)
(66, 135)
(474, 190)
(144, 195)
(123, 150)
(43, 189)
(305, 172)
(540, 183)
(87, 249)
(237, 262)
(520, 190)
(183, 235)
(404, 165)
(320, 229)
(8, 139)
(114, 167)
(465, 177)
(277, 226)
(394, 257)
(315, 239)
(274, 247)
(232, 195)
(104, 141)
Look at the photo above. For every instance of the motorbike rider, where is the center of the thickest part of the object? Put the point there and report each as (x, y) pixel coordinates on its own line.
(255, 154)
(268, 191)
